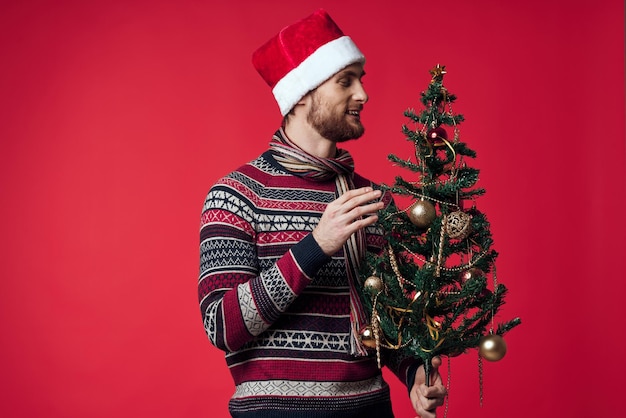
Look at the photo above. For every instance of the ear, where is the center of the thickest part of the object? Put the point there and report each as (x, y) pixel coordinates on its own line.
(305, 100)
(301, 105)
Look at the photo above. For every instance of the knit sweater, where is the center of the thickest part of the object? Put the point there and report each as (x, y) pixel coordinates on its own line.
(278, 306)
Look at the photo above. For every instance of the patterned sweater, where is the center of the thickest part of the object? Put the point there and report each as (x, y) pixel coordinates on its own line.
(278, 306)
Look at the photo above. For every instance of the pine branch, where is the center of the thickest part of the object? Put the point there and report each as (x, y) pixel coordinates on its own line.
(437, 272)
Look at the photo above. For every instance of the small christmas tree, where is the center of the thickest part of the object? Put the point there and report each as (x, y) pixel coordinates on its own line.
(433, 291)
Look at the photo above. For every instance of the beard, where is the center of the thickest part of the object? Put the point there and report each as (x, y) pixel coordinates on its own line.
(332, 125)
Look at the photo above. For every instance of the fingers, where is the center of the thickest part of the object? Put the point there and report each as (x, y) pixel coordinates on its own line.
(436, 389)
(357, 205)
(357, 197)
(433, 396)
(428, 399)
(353, 204)
(355, 212)
(346, 215)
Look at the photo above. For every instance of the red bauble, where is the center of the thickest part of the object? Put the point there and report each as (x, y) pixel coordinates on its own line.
(412, 295)
(437, 135)
(471, 273)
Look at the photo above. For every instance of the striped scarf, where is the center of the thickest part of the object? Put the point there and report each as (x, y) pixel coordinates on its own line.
(341, 168)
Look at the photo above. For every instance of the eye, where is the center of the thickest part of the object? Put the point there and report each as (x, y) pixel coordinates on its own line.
(345, 82)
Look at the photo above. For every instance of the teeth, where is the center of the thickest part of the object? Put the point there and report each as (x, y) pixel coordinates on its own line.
(353, 112)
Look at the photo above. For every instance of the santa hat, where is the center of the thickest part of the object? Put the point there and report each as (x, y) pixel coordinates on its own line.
(302, 56)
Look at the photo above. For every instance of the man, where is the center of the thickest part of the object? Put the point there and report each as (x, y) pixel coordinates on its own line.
(281, 240)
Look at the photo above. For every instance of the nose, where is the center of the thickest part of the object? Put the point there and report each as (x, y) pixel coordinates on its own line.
(360, 95)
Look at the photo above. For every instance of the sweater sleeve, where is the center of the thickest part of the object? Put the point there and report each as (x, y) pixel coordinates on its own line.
(237, 300)
(403, 366)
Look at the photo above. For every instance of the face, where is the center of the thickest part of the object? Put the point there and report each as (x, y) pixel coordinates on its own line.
(336, 105)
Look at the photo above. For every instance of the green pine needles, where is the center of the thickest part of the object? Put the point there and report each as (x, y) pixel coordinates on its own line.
(434, 291)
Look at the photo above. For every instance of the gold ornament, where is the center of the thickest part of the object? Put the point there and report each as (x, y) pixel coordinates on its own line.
(438, 72)
(492, 347)
(373, 284)
(458, 225)
(368, 338)
(422, 213)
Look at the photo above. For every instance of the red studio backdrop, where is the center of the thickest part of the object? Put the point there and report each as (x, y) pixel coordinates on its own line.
(116, 117)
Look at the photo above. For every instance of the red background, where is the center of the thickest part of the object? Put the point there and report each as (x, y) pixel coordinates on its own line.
(116, 117)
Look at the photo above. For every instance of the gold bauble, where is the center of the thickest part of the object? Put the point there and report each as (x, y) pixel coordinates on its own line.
(458, 225)
(492, 347)
(422, 213)
(367, 337)
(373, 284)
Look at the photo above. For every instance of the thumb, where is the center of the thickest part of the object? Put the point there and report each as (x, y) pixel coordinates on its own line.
(435, 377)
(436, 362)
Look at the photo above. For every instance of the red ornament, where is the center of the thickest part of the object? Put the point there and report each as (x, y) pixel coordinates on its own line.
(412, 295)
(471, 274)
(437, 135)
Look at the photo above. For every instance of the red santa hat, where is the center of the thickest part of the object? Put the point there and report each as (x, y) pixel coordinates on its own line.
(302, 56)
